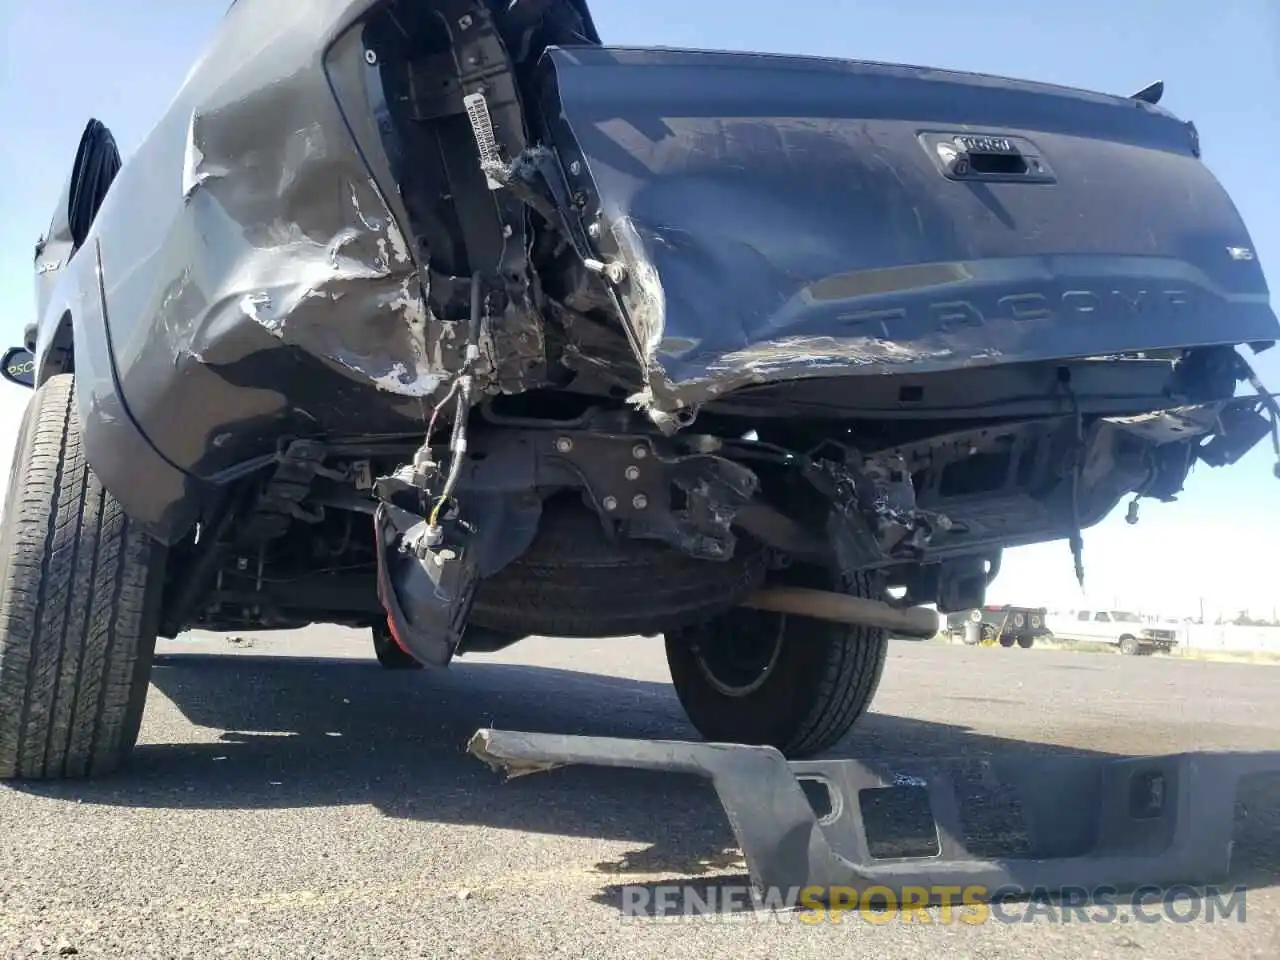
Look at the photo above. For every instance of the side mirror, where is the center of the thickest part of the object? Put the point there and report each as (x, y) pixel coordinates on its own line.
(19, 366)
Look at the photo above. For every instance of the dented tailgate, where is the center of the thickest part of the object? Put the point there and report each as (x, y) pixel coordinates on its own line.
(782, 217)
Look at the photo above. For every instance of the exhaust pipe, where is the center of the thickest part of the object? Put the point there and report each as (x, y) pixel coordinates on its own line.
(917, 623)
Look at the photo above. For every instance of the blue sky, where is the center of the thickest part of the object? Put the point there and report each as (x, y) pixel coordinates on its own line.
(62, 61)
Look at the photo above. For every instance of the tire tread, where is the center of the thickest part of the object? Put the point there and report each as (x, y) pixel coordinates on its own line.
(806, 708)
(79, 599)
(572, 582)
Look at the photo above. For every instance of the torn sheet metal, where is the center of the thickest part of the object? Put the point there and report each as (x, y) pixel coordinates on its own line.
(781, 218)
(258, 280)
(1089, 822)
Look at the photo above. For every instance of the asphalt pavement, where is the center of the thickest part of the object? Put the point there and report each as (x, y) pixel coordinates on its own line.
(291, 799)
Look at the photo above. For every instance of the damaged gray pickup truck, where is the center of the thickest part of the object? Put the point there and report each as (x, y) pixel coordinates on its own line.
(442, 319)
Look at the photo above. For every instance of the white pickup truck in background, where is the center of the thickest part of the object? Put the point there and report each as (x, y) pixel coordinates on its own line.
(1128, 631)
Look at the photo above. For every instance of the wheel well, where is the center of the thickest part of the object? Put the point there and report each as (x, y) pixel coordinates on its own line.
(61, 357)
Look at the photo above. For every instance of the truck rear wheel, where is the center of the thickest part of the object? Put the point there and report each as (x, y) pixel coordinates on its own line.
(762, 678)
(80, 591)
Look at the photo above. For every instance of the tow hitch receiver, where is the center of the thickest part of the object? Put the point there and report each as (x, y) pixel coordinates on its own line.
(1109, 822)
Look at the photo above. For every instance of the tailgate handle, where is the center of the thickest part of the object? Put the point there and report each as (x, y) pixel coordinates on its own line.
(987, 155)
(1003, 163)
(976, 158)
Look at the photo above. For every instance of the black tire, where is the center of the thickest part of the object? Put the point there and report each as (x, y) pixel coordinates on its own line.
(1129, 646)
(1026, 642)
(1007, 639)
(80, 592)
(389, 653)
(573, 582)
(821, 680)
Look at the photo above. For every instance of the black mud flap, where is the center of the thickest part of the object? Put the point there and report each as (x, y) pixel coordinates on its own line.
(426, 589)
(1090, 823)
